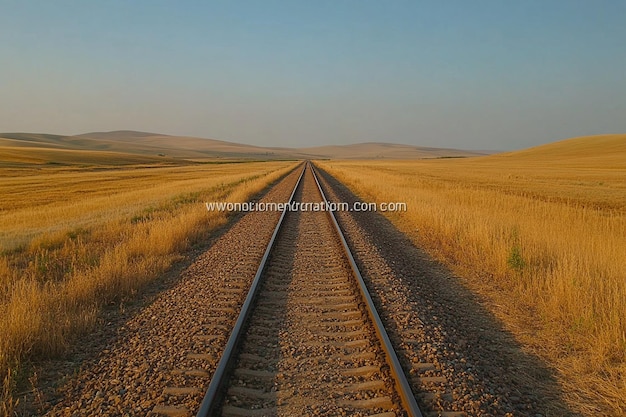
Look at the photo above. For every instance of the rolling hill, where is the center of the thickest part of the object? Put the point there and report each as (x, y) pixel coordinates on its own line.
(375, 150)
(22, 147)
(596, 151)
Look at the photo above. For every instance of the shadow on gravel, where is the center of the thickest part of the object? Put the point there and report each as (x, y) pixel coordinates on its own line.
(521, 383)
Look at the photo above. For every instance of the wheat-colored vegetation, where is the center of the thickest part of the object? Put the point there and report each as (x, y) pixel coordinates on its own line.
(541, 233)
(73, 239)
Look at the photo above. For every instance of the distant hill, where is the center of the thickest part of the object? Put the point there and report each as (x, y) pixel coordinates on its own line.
(585, 150)
(199, 149)
(147, 144)
(374, 150)
(157, 147)
(118, 135)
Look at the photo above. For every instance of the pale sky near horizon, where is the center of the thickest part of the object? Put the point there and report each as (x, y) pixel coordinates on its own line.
(483, 74)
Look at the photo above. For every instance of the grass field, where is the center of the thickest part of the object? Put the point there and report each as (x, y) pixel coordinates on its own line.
(75, 238)
(541, 233)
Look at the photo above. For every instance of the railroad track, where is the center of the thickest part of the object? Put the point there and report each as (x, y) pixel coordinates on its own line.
(308, 340)
(298, 338)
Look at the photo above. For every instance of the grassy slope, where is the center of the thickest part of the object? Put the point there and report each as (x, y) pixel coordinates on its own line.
(593, 150)
(587, 171)
(32, 138)
(21, 155)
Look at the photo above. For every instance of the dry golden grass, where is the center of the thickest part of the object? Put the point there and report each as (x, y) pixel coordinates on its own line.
(21, 155)
(542, 233)
(72, 240)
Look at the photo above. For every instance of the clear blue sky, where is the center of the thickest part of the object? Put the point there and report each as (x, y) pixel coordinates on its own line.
(480, 74)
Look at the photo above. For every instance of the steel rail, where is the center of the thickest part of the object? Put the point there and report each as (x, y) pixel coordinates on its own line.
(402, 384)
(212, 396)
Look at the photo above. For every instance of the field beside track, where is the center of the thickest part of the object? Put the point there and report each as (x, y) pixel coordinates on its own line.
(541, 234)
(75, 237)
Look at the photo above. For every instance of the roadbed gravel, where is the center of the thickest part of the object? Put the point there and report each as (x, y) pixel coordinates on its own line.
(310, 349)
